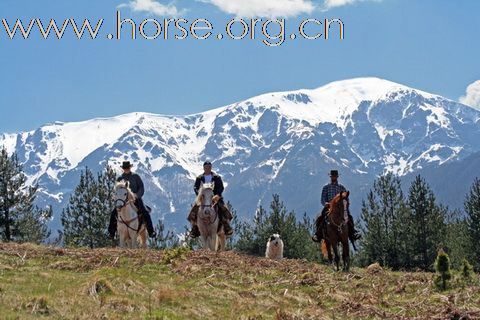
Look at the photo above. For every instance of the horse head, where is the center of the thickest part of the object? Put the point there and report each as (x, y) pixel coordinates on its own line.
(205, 198)
(123, 194)
(340, 204)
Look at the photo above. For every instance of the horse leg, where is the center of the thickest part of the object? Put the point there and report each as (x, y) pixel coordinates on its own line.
(329, 251)
(142, 238)
(215, 241)
(221, 240)
(121, 240)
(212, 242)
(337, 256)
(346, 255)
(203, 242)
(133, 239)
(122, 237)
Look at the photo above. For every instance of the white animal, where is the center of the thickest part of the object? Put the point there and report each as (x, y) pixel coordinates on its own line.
(207, 220)
(274, 247)
(127, 224)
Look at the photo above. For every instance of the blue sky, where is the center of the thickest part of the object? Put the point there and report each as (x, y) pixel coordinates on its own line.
(429, 44)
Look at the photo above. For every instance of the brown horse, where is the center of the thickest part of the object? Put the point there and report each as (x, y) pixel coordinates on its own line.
(337, 231)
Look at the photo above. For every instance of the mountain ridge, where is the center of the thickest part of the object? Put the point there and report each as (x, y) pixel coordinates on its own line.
(262, 145)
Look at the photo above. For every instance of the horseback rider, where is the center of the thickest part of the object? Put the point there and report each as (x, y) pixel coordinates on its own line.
(208, 176)
(329, 192)
(136, 186)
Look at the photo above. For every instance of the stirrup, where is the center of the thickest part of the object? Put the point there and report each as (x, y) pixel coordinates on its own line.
(316, 238)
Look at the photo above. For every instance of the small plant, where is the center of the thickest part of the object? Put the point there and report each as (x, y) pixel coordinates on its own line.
(171, 254)
(466, 271)
(442, 267)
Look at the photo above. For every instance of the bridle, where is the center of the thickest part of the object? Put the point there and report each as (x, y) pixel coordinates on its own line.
(124, 203)
(344, 221)
(208, 220)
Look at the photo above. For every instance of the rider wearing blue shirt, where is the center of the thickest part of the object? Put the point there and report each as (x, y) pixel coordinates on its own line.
(329, 192)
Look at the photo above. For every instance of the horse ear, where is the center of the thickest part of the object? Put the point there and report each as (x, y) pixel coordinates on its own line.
(127, 184)
(348, 193)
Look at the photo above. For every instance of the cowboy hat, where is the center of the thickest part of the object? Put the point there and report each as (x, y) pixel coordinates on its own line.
(126, 165)
(334, 173)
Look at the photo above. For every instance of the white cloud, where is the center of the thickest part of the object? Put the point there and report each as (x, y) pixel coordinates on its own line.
(329, 4)
(153, 7)
(472, 96)
(263, 8)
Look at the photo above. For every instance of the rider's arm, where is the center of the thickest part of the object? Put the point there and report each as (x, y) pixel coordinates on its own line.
(141, 189)
(220, 185)
(196, 186)
(324, 196)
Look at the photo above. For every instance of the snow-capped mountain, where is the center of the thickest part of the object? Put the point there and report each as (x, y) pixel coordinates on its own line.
(283, 142)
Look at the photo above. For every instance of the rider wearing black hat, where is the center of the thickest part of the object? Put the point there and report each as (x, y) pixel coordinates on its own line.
(136, 186)
(329, 192)
(208, 176)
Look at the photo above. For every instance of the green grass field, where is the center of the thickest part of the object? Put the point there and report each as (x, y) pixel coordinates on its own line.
(43, 282)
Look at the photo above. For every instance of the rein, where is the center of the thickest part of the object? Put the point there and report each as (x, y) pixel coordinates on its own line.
(127, 223)
(208, 220)
(339, 226)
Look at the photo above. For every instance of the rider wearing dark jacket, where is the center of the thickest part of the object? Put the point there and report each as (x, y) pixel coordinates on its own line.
(136, 186)
(216, 179)
(208, 176)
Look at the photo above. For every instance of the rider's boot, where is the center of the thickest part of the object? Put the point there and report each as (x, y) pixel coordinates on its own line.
(227, 228)
(319, 229)
(353, 234)
(149, 225)
(321, 226)
(195, 232)
(225, 217)
(192, 217)
(112, 226)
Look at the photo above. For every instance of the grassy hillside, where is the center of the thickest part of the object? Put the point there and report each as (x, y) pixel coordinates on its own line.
(39, 282)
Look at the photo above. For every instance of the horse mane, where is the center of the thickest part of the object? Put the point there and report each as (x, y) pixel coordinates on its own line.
(124, 185)
(339, 197)
(199, 198)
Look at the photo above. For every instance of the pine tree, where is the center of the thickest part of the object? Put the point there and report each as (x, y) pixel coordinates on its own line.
(85, 219)
(457, 243)
(472, 208)
(442, 266)
(252, 238)
(31, 225)
(383, 224)
(466, 271)
(164, 239)
(106, 181)
(427, 224)
(20, 219)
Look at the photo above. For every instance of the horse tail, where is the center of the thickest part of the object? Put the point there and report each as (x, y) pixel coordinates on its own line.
(324, 249)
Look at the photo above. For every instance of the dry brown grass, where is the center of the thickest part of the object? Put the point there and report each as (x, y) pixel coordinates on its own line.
(137, 284)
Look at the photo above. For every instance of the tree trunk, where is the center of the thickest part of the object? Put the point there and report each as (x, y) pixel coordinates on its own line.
(8, 235)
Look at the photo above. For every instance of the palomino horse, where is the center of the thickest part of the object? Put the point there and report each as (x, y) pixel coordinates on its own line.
(128, 220)
(211, 236)
(337, 231)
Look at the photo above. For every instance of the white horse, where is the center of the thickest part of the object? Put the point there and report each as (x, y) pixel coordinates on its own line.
(127, 218)
(208, 220)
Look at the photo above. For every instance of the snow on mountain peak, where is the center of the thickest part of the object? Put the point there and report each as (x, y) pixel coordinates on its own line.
(362, 126)
(332, 102)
